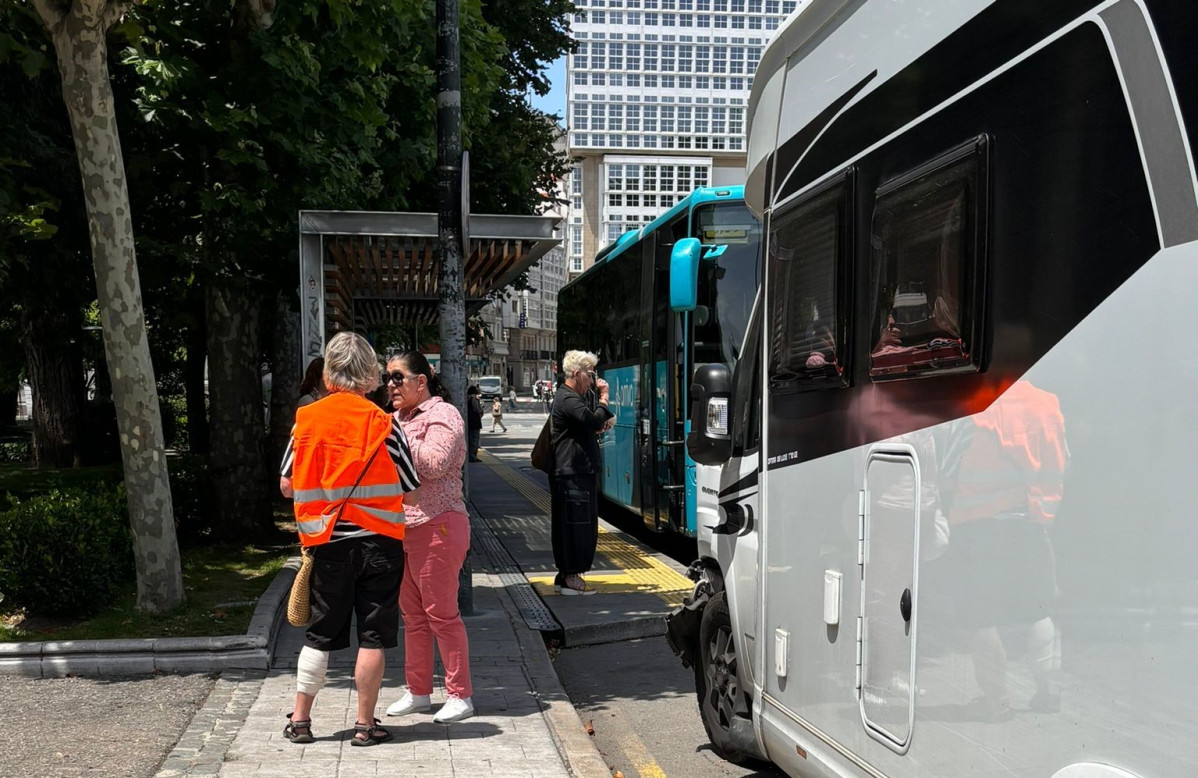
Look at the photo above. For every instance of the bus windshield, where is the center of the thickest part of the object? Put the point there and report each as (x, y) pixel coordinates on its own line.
(728, 279)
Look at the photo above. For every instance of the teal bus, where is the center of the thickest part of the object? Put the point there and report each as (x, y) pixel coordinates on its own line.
(649, 345)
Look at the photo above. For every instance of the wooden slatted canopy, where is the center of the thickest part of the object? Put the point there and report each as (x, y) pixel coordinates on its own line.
(360, 270)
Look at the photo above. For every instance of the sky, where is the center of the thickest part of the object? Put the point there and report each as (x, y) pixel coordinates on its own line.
(555, 101)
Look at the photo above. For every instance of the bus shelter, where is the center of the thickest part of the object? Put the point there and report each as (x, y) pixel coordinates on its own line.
(360, 269)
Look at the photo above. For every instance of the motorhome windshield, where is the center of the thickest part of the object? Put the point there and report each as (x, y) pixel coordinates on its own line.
(728, 279)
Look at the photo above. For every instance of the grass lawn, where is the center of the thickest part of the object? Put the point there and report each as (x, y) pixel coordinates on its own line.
(21, 480)
(222, 582)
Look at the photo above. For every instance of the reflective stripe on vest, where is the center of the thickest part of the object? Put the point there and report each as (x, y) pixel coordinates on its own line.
(343, 492)
(342, 469)
(314, 526)
(381, 515)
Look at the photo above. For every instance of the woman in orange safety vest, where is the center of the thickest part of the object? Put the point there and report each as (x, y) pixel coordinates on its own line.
(347, 467)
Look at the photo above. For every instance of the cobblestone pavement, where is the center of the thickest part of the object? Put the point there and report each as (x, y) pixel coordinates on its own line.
(67, 727)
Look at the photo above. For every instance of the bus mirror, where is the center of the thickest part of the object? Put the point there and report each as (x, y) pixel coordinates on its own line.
(684, 274)
(710, 438)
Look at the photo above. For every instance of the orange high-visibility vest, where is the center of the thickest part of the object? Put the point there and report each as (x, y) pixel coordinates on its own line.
(1016, 462)
(335, 438)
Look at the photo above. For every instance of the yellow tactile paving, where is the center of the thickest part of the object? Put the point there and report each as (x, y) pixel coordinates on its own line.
(637, 573)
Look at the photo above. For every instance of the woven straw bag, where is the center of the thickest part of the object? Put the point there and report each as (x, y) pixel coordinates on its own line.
(299, 605)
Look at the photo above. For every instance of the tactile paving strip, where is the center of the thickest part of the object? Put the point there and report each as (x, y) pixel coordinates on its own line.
(645, 572)
(536, 615)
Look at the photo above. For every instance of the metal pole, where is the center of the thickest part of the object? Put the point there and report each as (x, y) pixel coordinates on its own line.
(449, 230)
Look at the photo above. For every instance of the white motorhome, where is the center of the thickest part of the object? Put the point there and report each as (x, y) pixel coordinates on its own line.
(949, 523)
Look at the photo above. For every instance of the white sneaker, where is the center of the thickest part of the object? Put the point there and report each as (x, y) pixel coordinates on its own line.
(454, 709)
(409, 703)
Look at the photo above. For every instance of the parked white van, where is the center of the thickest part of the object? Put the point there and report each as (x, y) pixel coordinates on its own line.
(490, 386)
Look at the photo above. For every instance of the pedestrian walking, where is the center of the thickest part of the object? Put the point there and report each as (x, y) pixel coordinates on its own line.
(511, 397)
(436, 543)
(497, 414)
(579, 414)
(347, 468)
(474, 422)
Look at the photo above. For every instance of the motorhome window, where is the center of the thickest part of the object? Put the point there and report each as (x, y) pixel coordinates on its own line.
(925, 256)
(808, 248)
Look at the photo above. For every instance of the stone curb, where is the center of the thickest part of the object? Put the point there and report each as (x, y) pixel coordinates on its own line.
(92, 658)
(202, 747)
(576, 748)
(634, 628)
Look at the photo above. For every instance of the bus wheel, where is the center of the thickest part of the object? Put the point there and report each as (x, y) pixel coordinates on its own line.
(722, 703)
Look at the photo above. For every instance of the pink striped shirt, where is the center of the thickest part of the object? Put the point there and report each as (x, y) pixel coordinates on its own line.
(437, 439)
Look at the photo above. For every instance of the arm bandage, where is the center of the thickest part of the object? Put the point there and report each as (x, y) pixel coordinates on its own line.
(313, 668)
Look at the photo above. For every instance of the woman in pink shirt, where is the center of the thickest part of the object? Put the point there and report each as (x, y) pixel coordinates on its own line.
(436, 539)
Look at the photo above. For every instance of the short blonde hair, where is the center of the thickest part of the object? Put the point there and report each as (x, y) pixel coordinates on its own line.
(350, 364)
(574, 361)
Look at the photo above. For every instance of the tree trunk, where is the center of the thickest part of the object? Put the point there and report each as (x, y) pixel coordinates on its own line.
(55, 364)
(236, 412)
(79, 40)
(288, 373)
(198, 437)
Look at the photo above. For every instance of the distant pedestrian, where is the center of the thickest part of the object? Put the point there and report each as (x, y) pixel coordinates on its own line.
(474, 422)
(511, 397)
(347, 467)
(497, 414)
(437, 539)
(579, 414)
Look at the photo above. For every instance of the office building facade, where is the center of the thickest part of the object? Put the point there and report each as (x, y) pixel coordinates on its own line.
(655, 107)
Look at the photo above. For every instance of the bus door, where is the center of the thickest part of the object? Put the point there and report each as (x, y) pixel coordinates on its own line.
(651, 354)
(669, 366)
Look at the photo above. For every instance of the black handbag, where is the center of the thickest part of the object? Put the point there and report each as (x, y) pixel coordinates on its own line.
(542, 450)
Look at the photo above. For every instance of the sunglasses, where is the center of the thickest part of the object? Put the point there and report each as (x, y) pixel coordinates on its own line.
(396, 378)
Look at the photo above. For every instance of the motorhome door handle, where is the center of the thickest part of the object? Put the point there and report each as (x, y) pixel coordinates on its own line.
(905, 605)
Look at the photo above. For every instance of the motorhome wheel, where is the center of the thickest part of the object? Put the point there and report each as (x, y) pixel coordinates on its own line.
(723, 705)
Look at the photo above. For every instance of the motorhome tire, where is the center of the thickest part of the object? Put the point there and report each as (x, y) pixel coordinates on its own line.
(723, 705)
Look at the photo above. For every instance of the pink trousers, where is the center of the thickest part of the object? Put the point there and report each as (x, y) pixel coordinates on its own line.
(433, 555)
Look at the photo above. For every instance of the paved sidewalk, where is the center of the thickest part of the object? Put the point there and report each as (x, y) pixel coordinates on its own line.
(525, 725)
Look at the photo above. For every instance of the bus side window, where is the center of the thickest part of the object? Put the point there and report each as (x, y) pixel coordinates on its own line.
(927, 253)
(809, 250)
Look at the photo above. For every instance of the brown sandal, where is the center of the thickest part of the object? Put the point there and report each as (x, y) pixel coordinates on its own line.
(298, 731)
(369, 734)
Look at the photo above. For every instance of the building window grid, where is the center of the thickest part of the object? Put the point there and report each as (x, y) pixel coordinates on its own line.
(730, 59)
(634, 189)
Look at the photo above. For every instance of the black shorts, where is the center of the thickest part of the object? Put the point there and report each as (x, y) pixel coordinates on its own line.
(359, 576)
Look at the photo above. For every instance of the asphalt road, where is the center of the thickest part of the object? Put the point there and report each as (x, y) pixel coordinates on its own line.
(99, 728)
(641, 704)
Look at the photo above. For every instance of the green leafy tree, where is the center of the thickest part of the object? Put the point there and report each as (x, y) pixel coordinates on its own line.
(331, 106)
